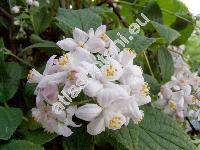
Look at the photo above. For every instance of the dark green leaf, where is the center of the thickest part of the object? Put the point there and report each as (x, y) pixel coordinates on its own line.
(166, 63)
(10, 119)
(21, 145)
(41, 19)
(138, 43)
(166, 32)
(159, 132)
(39, 137)
(79, 140)
(125, 138)
(10, 83)
(83, 19)
(153, 84)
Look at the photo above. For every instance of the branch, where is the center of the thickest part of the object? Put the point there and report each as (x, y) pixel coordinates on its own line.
(110, 3)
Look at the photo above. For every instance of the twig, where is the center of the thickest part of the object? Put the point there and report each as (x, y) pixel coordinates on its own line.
(110, 3)
(145, 56)
(193, 128)
(6, 13)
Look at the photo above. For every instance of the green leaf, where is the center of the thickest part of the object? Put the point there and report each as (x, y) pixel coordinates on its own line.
(10, 119)
(157, 131)
(153, 84)
(21, 145)
(9, 81)
(124, 138)
(166, 32)
(79, 140)
(41, 19)
(138, 43)
(166, 63)
(153, 11)
(83, 19)
(39, 137)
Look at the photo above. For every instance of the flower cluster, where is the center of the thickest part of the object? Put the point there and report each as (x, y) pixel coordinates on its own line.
(180, 97)
(115, 87)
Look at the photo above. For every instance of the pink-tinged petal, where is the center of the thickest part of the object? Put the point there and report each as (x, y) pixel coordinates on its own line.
(82, 55)
(50, 93)
(110, 93)
(67, 44)
(88, 112)
(34, 76)
(96, 126)
(80, 36)
(63, 130)
(95, 45)
(52, 79)
(50, 66)
(100, 30)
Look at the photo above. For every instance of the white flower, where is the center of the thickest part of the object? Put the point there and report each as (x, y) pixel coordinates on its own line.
(30, 2)
(15, 9)
(55, 122)
(77, 46)
(113, 116)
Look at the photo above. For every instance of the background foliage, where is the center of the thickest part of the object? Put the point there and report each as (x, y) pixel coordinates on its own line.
(30, 43)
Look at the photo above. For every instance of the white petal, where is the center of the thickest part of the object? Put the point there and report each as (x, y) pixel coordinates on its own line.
(142, 100)
(80, 36)
(63, 130)
(95, 45)
(34, 76)
(67, 44)
(88, 112)
(96, 126)
(49, 65)
(112, 70)
(100, 30)
(110, 93)
(92, 87)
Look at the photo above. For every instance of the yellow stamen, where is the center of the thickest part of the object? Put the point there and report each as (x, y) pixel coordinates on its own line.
(71, 75)
(111, 71)
(172, 105)
(145, 89)
(30, 75)
(115, 122)
(131, 51)
(104, 37)
(63, 60)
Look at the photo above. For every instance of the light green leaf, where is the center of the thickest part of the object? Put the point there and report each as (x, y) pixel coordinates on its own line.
(39, 137)
(40, 19)
(159, 132)
(9, 80)
(166, 32)
(21, 145)
(10, 119)
(83, 19)
(166, 63)
(138, 43)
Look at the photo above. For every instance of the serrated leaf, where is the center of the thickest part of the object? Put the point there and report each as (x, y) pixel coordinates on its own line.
(153, 84)
(10, 83)
(138, 43)
(39, 137)
(158, 131)
(10, 119)
(124, 138)
(166, 32)
(83, 19)
(166, 63)
(21, 145)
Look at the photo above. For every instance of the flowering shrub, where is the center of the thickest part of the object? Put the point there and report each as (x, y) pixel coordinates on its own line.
(99, 74)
